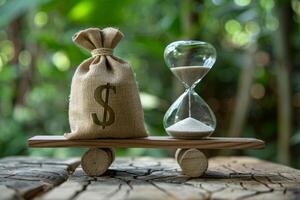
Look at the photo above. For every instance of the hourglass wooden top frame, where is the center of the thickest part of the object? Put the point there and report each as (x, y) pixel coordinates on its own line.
(100, 156)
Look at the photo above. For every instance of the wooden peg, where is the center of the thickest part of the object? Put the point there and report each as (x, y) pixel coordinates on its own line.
(192, 162)
(111, 154)
(96, 161)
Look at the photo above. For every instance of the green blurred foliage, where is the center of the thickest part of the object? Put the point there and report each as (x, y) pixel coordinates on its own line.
(38, 59)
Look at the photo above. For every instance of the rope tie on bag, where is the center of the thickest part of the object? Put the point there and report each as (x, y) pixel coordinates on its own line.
(102, 52)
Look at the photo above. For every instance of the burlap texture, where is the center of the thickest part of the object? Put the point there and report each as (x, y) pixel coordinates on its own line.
(104, 99)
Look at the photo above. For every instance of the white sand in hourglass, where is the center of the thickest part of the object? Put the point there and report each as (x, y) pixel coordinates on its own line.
(190, 74)
(189, 128)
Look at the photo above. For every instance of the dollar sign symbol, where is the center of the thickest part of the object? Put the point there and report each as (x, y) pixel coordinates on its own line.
(107, 109)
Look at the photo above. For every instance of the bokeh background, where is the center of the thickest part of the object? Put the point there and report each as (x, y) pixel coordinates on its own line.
(254, 87)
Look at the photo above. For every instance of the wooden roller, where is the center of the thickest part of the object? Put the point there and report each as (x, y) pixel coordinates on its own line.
(111, 153)
(192, 162)
(96, 161)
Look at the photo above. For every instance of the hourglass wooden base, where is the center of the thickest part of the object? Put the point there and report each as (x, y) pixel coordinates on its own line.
(100, 156)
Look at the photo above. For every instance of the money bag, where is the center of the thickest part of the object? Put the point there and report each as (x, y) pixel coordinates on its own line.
(104, 99)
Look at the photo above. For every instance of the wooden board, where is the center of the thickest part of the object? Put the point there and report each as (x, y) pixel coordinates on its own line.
(148, 142)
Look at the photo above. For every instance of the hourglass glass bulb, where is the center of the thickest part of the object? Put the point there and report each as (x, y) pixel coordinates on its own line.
(189, 116)
(190, 60)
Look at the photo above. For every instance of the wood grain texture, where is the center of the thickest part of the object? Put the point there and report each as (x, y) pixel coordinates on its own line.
(149, 142)
(96, 161)
(148, 178)
(24, 177)
(191, 161)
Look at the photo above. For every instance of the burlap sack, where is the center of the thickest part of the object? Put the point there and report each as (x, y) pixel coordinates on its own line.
(104, 100)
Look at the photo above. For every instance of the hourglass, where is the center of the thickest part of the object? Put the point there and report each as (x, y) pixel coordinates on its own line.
(189, 117)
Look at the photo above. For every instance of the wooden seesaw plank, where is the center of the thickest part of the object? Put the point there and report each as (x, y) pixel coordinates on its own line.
(149, 142)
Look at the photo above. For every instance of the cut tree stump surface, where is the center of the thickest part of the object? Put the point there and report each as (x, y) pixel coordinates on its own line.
(147, 178)
(27, 177)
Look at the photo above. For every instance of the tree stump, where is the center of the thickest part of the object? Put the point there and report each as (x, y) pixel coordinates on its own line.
(227, 178)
